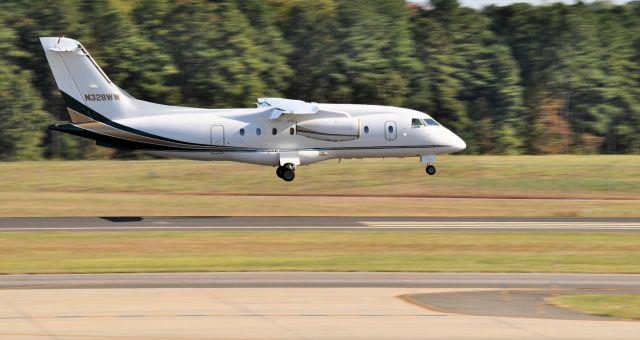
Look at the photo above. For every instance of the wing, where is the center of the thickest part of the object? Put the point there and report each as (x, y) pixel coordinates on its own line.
(281, 106)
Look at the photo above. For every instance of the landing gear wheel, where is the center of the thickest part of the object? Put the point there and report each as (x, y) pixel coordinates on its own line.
(288, 175)
(279, 171)
(431, 170)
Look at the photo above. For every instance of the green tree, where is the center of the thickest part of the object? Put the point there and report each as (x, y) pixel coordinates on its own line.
(539, 79)
(273, 48)
(21, 115)
(376, 51)
(581, 56)
(135, 63)
(359, 52)
(211, 43)
(31, 19)
(474, 80)
(309, 27)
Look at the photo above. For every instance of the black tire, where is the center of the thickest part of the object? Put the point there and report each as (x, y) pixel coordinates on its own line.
(430, 170)
(288, 175)
(279, 171)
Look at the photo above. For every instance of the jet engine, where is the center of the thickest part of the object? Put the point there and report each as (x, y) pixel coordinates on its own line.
(330, 129)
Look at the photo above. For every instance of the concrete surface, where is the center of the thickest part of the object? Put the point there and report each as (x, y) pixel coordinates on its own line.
(266, 313)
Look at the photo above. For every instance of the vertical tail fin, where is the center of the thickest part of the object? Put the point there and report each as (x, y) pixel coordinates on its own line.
(86, 89)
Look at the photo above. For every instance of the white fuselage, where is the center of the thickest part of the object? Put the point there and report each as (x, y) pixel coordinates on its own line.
(259, 145)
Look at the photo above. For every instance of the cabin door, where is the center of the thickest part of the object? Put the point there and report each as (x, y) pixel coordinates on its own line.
(217, 138)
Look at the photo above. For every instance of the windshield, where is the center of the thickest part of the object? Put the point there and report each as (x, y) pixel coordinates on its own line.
(431, 122)
(416, 123)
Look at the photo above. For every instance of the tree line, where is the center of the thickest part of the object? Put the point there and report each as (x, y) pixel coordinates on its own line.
(509, 80)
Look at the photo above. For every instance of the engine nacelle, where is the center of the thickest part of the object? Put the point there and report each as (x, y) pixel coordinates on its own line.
(330, 129)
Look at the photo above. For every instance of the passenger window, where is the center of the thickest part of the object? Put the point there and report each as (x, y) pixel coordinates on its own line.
(292, 131)
(416, 123)
(258, 131)
(431, 122)
(366, 129)
(390, 129)
(274, 131)
(241, 132)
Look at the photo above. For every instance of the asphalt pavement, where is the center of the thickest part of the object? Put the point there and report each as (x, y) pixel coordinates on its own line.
(279, 223)
(513, 303)
(321, 280)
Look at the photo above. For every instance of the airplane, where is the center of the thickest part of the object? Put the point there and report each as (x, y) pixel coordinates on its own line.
(282, 133)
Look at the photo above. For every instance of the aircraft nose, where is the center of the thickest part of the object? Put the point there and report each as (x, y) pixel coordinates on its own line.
(457, 143)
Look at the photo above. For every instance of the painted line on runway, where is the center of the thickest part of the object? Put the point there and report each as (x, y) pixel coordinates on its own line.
(502, 225)
(94, 336)
(497, 223)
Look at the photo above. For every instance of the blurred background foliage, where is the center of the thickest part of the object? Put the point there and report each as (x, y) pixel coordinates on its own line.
(515, 79)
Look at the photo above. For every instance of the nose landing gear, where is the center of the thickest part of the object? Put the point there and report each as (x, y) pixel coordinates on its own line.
(429, 160)
(286, 172)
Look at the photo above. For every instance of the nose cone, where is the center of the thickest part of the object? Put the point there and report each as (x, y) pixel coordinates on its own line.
(458, 144)
(453, 142)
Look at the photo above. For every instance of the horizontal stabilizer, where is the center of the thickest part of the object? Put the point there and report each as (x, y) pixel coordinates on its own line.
(61, 44)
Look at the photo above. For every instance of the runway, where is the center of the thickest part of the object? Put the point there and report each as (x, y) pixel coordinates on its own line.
(396, 224)
(320, 280)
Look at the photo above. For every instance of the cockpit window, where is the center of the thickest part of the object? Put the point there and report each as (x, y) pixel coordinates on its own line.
(416, 123)
(431, 122)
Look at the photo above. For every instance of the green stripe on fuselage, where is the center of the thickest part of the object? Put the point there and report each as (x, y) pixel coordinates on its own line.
(74, 104)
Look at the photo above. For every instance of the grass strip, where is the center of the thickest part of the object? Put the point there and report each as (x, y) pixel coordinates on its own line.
(624, 306)
(175, 251)
(559, 185)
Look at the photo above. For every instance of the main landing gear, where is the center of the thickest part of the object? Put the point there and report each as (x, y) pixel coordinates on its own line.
(431, 170)
(286, 172)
